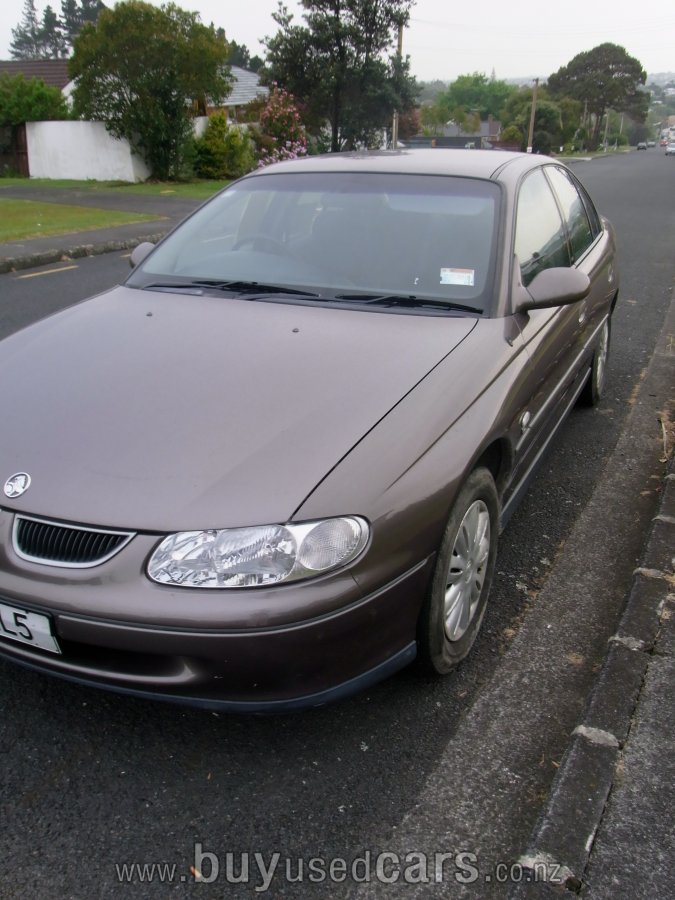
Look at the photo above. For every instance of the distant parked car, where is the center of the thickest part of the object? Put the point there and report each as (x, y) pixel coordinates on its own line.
(670, 149)
(651, 143)
(642, 145)
(272, 467)
(663, 142)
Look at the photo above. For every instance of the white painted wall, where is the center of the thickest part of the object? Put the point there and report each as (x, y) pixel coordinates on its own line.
(81, 150)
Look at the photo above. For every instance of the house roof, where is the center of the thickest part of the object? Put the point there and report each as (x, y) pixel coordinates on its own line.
(54, 72)
(245, 87)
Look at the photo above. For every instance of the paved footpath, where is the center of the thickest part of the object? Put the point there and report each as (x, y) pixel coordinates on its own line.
(607, 831)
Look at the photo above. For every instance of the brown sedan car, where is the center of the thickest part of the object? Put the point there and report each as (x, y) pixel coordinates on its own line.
(271, 468)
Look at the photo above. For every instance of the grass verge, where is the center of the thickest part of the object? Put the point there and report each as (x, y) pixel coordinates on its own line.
(196, 190)
(20, 219)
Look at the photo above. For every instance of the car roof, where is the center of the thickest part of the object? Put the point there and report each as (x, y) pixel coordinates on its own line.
(495, 165)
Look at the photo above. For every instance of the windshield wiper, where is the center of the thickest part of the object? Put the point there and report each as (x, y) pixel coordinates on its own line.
(407, 300)
(238, 287)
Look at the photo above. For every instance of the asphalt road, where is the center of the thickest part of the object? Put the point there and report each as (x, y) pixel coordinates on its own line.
(91, 781)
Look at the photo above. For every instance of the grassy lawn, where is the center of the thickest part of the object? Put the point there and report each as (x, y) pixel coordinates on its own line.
(194, 190)
(21, 219)
(197, 190)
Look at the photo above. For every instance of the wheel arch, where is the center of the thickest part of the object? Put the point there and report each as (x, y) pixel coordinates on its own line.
(497, 458)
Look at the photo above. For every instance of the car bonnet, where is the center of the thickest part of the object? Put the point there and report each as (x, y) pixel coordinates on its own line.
(160, 412)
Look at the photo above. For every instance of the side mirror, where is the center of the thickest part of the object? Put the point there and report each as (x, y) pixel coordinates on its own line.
(554, 287)
(139, 253)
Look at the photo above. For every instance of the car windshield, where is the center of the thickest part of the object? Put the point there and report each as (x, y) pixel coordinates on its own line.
(338, 236)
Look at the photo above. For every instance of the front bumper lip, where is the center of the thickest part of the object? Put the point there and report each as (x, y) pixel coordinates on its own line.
(307, 701)
(260, 669)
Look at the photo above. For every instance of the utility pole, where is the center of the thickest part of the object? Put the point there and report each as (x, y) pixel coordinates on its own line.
(394, 124)
(530, 134)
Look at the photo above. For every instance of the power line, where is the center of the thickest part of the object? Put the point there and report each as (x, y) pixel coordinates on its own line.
(599, 29)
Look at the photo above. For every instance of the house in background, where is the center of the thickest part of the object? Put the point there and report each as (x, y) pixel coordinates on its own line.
(454, 135)
(489, 132)
(246, 86)
(77, 149)
(54, 72)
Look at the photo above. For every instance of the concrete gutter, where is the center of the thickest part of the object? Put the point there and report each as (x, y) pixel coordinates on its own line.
(32, 257)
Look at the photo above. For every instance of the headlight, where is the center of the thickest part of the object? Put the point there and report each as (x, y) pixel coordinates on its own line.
(255, 557)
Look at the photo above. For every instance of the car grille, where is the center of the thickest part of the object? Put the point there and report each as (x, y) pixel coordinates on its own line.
(56, 544)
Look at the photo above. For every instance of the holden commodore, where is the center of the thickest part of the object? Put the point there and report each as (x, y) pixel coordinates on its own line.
(271, 468)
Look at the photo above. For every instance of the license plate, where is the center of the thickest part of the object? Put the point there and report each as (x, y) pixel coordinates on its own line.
(27, 628)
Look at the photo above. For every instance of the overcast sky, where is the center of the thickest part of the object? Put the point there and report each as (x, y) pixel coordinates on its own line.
(515, 38)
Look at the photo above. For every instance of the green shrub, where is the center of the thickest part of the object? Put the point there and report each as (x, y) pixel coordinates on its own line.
(542, 142)
(223, 151)
(512, 135)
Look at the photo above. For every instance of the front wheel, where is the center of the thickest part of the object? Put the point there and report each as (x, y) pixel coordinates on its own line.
(594, 388)
(454, 609)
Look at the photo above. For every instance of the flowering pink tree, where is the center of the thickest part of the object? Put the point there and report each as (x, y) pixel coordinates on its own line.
(282, 132)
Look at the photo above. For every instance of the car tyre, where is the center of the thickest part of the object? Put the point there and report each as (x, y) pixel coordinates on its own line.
(454, 608)
(594, 388)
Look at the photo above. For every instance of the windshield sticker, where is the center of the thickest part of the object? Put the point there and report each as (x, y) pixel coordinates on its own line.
(466, 277)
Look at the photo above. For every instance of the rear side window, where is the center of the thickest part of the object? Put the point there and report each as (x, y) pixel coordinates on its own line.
(541, 242)
(591, 211)
(574, 212)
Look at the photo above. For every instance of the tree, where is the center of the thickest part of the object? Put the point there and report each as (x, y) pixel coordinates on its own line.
(53, 36)
(25, 43)
(29, 100)
(74, 17)
(434, 116)
(142, 70)
(52, 40)
(477, 93)
(240, 54)
(555, 123)
(603, 78)
(428, 91)
(409, 124)
(341, 66)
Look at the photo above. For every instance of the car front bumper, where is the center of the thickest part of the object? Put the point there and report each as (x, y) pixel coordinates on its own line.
(265, 666)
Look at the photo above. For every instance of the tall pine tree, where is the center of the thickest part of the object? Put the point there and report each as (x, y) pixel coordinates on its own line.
(52, 36)
(25, 43)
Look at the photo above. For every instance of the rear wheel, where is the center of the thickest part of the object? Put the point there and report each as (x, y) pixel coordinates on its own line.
(594, 388)
(454, 609)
